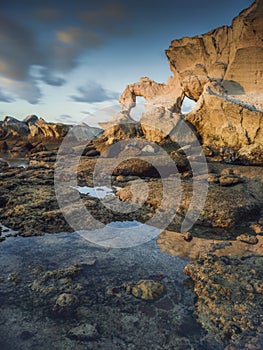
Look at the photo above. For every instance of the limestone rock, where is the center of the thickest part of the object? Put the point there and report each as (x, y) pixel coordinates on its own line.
(222, 70)
(31, 127)
(228, 123)
(84, 332)
(83, 131)
(65, 303)
(229, 299)
(230, 53)
(148, 290)
(158, 94)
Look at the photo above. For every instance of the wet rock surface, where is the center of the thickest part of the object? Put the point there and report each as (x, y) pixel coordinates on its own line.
(91, 288)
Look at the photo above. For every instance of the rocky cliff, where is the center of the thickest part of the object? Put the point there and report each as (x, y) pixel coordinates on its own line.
(223, 71)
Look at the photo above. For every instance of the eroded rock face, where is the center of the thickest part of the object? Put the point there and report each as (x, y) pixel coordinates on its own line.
(233, 54)
(158, 94)
(225, 121)
(223, 71)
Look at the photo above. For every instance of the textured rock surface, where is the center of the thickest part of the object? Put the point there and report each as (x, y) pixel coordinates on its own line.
(158, 94)
(230, 53)
(223, 71)
(229, 304)
(229, 114)
(226, 122)
(31, 127)
(148, 290)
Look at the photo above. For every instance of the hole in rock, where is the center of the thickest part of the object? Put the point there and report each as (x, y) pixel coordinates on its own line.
(138, 110)
(188, 105)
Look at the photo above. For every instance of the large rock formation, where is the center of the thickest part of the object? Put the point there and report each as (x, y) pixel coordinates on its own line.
(166, 95)
(232, 54)
(223, 71)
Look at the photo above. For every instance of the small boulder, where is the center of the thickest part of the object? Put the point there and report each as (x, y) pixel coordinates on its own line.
(148, 290)
(226, 180)
(65, 303)
(84, 332)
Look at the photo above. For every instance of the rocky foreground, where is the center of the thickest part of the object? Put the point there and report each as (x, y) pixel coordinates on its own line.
(223, 74)
(229, 225)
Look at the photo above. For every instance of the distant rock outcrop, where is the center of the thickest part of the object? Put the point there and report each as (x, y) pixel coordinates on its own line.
(31, 127)
(223, 71)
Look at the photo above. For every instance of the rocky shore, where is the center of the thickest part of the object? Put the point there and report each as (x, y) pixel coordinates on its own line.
(197, 178)
(228, 233)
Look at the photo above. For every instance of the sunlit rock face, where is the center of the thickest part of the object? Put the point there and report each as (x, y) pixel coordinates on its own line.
(231, 54)
(222, 70)
(157, 94)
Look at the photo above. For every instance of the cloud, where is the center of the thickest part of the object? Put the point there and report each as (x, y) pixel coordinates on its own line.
(94, 92)
(106, 18)
(87, 113)
(65, 118)
(5, 98)
(18, 49)
(26, 90)
(79, 37)
(50, 78)
(48, 14)
(53, 36)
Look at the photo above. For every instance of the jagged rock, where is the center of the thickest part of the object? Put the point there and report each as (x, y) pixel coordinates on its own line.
(222, 70)
(13, 127)
(148, 290)
(47, 130)
(65, 303)
(229, 299)
(120, 118)
(223, 122)
(31, 127)
(158, 122)
(163, 95)
(31, 119)
(230, 53)
(229, 112)
(83, 131)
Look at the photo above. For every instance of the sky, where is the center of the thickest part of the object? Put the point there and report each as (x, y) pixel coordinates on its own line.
(69, 60)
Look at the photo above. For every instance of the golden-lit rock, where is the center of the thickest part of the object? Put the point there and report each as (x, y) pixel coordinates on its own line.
(148, 290)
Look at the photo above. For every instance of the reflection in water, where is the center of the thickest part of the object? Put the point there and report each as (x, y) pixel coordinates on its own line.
(97, 191)
(173, 243)
(43, 275)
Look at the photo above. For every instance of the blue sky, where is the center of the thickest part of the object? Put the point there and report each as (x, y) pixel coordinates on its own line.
(68, 60)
